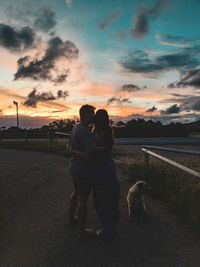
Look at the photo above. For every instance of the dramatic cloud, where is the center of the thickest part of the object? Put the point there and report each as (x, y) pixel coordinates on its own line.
(121, 96)
(45, 68)
(186, 102)
(174, 40)
(34, 97)
(171, 110)
(118, 100)
(62, 94)
(16, 40)
(189, 102)
(106, 22)
(192, 78)
(175, 85)
(141, 27)
(144, 62)
(191, 105)
(130, 88)
(145, 14)
(60, 78)
(151, 109)
(45, 19)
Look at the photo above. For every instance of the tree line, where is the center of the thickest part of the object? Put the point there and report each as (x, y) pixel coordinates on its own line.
(142, 128)
(131, 128)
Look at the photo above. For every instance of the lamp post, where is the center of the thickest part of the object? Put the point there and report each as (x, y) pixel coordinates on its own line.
(16, 103)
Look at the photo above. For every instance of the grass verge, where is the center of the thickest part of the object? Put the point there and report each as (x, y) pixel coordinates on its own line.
(179, 191)
(58, 148)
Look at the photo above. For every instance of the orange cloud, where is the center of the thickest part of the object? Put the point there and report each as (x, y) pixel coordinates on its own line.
(96, 89)
(87, 93)
(65, 110)
(43, 109)
(154, 97)
(10, 93)
(120, 110)
(73, 111)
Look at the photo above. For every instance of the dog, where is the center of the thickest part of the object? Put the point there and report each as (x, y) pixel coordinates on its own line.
(136, 201)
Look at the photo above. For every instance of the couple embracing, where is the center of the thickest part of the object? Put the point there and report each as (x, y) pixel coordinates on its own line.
(93, 169)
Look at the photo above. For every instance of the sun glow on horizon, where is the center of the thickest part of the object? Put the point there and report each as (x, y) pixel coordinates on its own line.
(56, 57)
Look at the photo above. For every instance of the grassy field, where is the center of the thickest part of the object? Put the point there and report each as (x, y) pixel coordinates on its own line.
(178, 190)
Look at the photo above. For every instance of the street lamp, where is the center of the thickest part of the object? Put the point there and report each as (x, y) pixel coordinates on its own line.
(16, 103)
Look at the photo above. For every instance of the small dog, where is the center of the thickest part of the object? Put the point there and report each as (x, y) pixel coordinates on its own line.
(136, 201)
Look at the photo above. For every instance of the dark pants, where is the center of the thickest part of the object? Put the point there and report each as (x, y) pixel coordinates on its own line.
(106, 200)
(106, 196)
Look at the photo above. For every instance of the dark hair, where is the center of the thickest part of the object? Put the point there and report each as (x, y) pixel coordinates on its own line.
(101, 119)
(101, 123)
(85, 109)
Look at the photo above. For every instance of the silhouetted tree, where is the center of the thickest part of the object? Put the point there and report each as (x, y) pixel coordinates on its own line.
(142, 128)
(120, 124)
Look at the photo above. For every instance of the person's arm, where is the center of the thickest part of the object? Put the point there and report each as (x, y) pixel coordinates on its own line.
(88, 154)
(79, 154)
(89, 145)
(87, 142)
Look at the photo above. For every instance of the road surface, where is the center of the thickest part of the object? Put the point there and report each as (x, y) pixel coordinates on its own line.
(158, 141)
(34, 188)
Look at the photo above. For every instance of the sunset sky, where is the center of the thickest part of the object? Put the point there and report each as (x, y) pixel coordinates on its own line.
(137, 59)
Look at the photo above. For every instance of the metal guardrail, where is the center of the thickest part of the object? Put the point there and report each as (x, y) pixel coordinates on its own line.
(189, 152)
(64, 134)
(171, 162)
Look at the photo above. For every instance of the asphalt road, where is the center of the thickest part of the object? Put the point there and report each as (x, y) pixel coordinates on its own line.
(34, 189)
(157, 141)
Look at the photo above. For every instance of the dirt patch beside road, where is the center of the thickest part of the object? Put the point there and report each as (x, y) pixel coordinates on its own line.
(33, 209)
